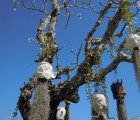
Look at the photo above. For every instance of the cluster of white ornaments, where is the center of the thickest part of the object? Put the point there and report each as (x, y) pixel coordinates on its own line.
(132, 41)
(45, 70)
(98, 101)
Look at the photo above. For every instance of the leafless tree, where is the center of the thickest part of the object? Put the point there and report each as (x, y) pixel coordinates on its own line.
(50, 95)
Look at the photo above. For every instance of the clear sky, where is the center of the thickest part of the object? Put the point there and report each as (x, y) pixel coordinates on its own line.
(17, 57)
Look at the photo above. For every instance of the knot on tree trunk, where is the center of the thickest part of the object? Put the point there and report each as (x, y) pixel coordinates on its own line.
(73, 97)
(25, 102)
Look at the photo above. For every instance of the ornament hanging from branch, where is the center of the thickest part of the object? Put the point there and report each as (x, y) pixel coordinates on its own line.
(99, 104)
(99, 101)
(132, 43)
(45, 70)
(117, 89)
(60, 113)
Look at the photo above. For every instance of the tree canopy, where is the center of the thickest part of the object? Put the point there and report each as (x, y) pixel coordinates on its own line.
(97, 35)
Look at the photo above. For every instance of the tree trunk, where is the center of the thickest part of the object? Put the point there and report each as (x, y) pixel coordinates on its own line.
(67, 116)
(53, 110)
(122, 113)
(40, 107)
(94, 114)
(136, 56)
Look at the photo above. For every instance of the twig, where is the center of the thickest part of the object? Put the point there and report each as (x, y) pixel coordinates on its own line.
(69, 15)
(30, 8)
(77, 57)
(34, 4)
(121, 32)
(67, 20)
(44, 4)
(100, 18)
(57, 58)
(115, 2)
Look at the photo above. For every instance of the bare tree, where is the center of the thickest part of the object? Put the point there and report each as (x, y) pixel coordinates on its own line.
(115, 12)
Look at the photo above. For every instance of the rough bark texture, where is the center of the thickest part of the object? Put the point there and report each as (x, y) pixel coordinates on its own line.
(25, 102)
(40, 107)
(53, 109)
(67, 116)
(121, 109)
(136, 56)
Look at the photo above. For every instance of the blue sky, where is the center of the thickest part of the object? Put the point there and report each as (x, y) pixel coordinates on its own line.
(17, 57)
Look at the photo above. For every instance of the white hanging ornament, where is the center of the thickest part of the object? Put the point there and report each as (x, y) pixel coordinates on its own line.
(61, 112)
(45, 70)
(99, 104)
(132, 41)
(133, 44)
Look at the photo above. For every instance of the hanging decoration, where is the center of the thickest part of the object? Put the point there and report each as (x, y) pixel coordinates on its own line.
(45, 70)
(61, 112)
(132, 43)
(113, 48)
(113, 54)
(99, 104)
(99, 100)
(118, 90)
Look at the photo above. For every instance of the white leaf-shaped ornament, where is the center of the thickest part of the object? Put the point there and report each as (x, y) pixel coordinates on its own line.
(45, 70)
(132, 41)
(61, 112)
(99, 104)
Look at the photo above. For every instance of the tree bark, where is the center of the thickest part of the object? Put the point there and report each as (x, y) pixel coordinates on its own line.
(40, 106)
(136, 57)
(53, 109)
(121, 109)
(67, 116)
